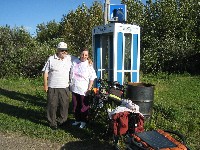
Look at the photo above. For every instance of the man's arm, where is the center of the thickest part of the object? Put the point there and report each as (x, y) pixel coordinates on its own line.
(45, 77)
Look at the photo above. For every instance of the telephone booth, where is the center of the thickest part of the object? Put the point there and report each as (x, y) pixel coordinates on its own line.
(116, 52)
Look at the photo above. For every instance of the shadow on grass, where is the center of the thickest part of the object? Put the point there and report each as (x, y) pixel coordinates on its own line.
(37, 117)
(38, 101)
(94, 136)
(27, 114)
(86, 145)
(92, 131)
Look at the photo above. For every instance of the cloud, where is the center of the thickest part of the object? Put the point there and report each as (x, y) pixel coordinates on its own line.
(31, 30)
(27, 28)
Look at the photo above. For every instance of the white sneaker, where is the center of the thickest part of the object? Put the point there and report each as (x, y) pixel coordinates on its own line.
(76, 123)
(82, 125)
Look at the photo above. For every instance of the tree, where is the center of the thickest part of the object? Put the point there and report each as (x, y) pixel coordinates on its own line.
(77, 26)
(168, 37)
(49, 33)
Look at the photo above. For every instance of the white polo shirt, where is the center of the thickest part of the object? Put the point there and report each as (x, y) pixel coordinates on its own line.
(58, 71)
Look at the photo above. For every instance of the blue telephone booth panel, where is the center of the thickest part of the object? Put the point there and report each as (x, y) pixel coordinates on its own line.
(116, 49)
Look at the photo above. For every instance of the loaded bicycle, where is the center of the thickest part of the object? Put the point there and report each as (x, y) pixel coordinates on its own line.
(103, 99)
(127, 126)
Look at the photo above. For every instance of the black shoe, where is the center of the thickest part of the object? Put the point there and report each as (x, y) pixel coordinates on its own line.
(54, 127)
(62, 124)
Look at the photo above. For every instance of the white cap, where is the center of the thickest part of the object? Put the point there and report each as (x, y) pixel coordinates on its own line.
(62, 46)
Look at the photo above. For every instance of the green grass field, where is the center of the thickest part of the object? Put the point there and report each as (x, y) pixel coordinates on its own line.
(176, 107)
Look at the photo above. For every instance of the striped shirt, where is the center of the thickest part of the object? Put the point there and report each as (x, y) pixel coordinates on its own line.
(58, 71)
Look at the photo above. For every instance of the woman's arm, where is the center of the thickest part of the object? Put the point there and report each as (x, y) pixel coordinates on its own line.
(90, 85)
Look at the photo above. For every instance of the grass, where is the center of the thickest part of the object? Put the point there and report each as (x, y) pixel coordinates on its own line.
(23, 110)
(176, 107)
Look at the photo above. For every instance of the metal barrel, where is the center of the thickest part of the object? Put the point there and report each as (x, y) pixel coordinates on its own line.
(141, 94)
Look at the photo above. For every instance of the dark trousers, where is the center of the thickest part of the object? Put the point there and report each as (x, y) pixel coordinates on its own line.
(57, 103)
(80, 107)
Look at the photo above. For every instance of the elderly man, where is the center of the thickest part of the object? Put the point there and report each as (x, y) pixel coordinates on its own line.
(56, 84)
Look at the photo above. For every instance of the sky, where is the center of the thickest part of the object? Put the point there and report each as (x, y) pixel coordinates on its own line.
(30, 13)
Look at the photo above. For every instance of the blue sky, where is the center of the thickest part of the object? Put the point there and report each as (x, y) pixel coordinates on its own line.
(30, 13)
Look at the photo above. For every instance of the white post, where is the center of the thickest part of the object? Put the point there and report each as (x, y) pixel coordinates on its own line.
(107, 2)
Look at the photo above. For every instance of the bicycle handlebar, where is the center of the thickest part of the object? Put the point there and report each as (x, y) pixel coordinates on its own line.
(105, 84)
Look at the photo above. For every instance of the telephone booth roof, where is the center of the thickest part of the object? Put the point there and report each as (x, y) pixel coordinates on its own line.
(116, 27)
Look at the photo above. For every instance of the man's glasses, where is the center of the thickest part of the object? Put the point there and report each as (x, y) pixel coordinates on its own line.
(63, 50)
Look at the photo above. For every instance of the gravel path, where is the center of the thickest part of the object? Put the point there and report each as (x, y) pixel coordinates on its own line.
(16, 142)
(11, 141)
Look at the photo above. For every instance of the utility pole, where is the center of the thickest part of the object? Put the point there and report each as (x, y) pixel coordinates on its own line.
(106, 4)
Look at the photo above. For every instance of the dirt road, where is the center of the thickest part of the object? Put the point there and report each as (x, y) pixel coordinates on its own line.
(16, 142)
